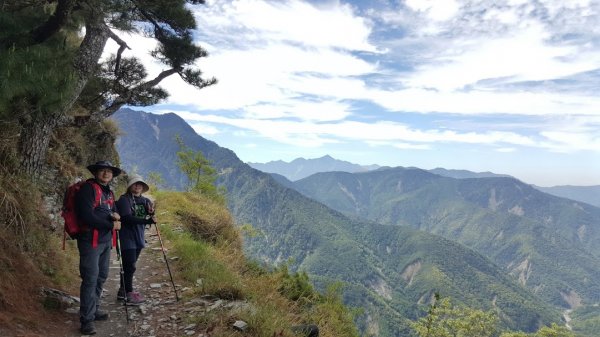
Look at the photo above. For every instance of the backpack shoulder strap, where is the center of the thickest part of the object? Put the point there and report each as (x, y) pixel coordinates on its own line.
(97, 201)
(97, 192)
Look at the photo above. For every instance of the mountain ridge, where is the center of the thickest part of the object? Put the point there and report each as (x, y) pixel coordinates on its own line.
(291, 226)
(477, 212)
(300, 167)
(586, 194)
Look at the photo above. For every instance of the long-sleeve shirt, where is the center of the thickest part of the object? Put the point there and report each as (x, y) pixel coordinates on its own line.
(98, 218)
(133, 211)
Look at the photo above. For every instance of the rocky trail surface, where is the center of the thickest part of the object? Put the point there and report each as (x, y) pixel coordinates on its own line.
(161, 316)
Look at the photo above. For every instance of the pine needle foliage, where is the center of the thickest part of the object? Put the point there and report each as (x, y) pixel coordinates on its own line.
(444, 319)
(201, 175)
(554, 330)
(447, 320)
(33, 79)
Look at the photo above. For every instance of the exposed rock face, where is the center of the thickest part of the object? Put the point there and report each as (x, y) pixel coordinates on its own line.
(517, 210)
(571, 298)
(523, 270)
(410, 271)
(492, 202)
(581, 232)
(350, 195)
(381, 287)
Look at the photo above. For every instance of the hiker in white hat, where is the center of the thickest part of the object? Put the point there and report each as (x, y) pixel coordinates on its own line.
(136, 212)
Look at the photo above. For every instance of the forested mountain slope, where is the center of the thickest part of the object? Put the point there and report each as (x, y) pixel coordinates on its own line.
(389, 270)
(549, 243)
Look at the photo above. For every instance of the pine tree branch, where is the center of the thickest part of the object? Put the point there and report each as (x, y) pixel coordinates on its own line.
(158, 30)
(122, 46)
(155, 81)
(44, 31)
(54, 23)
(126, 98)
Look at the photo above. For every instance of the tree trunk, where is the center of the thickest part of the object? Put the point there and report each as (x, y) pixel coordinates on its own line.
(33, 144)
(36, 132)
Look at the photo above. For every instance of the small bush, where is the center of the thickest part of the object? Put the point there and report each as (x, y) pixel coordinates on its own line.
(204, 218)
(296, 287)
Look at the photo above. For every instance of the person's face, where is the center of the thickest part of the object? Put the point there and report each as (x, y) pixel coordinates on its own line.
(104, 175)
(137, 188)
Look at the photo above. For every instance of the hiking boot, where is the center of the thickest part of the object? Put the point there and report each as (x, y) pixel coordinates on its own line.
(140, 296)
(101, 315)
(135, 298)
(88, 328)
(120, 294)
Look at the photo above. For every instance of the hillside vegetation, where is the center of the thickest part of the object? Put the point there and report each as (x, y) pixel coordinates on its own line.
(209, 247)
(546, 242)
(390, 271)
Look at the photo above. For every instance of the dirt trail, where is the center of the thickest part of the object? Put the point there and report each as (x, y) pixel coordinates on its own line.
(159, 316)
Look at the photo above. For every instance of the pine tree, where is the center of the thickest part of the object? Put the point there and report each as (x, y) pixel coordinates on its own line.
(447, 320)
(41, 106)
(201, 175)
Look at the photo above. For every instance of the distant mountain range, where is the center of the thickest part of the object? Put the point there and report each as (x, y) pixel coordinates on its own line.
(549, 243)
(464, 174)
(391, 271)
(587, 194)
(301, 168)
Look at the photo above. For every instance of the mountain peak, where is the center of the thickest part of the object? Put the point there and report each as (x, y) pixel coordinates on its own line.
(300, 168)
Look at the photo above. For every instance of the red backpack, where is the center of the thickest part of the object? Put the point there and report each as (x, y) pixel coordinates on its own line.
(73, 225)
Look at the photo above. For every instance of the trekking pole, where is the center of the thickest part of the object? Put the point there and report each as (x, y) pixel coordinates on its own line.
(122, 274)
(166, 260)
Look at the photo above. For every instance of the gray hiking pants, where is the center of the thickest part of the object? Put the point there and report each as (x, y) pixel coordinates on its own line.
(93, 269)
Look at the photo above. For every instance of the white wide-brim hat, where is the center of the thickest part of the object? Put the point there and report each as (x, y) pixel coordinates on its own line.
(136, 178)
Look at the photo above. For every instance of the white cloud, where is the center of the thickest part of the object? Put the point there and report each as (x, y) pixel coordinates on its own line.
(435, 9)
(523, 55)
(301, 110)
(249, 77)
(567, 141)
(296, 72)
(316, 134)
(487, 102)
(331, 25)
(203, 129)
(288, 64)
(506, 149)
(410, 146)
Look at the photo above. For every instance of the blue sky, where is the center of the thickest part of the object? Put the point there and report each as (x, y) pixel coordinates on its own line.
(503, 86)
